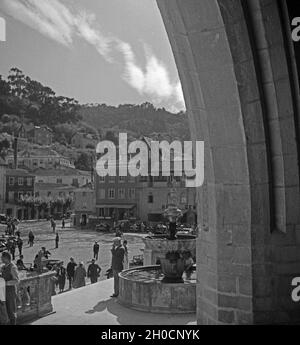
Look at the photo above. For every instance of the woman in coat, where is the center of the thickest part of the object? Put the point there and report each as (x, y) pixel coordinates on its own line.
(79, 277)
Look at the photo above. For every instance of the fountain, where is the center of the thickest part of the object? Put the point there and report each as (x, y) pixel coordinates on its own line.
(161, 285)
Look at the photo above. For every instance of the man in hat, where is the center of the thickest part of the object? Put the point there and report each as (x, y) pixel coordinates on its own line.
(117, 261)
(93, 272)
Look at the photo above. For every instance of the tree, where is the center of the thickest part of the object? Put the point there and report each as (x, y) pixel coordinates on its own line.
(4, 146)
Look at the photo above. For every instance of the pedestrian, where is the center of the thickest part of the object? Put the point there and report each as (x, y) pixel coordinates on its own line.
(71, 272)
(96, 248)
(61, 278)
(63, 223)
(3, 313)
(9, 273)
(12, 249)
(20, 245)
(79, 277)
(56, 240)
(30, 238)
(126, 260)
(20, 264)
(45, 253)
(118, 253)
(93, 272)
(53, 225)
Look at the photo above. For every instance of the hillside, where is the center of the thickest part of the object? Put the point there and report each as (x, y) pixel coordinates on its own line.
(27, 101)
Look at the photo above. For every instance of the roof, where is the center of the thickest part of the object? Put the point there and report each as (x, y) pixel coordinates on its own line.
(19, 172)
(52, 186)
(57, 172)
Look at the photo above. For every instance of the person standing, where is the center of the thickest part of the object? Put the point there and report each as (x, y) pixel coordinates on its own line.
(79, 276)
(53, 225)
(93, 272)
(30, 238)
(71, 272)
(13, 249)
(61, 278)
(96, 248)
(63, 223)
(3, 313)
(126, 260)
(20, 245)
(118, 253)
(9, 273)
(56, 240)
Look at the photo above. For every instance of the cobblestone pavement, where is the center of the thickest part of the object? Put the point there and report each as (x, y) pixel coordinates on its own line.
(74, 243)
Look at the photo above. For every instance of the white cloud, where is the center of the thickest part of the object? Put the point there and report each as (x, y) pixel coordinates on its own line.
(152, 80)
(56, 21)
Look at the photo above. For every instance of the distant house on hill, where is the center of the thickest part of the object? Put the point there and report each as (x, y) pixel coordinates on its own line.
(68, 176)
(41, 135)
(83, 141)
(39, 157)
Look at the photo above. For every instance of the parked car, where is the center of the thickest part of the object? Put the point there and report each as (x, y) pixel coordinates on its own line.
(102, 227)
(3, 219)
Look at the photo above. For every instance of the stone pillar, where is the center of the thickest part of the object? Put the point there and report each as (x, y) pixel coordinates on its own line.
(234, 67)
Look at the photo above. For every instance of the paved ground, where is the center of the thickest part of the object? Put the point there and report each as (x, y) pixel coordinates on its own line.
(74, 243)
(92, 305)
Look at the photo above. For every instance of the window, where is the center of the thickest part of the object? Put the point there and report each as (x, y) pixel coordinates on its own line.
(131, 193)
(11, 181)
(20, 195)
(49, 194)
(150, 199)
(36, 194)
(20, 181)
(112, 179)
(101, 179)
(29, 181)
(111, 193)
(101, 193)
(75, 182)
(101, 212)
(59, 180)
(122, 178)
(121, 193)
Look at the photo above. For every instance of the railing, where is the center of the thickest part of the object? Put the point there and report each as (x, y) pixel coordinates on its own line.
(34, 296)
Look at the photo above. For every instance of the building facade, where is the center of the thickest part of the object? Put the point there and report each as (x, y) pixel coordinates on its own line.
(116, 197)
(70, 177)
(19, 185)
(84, 206)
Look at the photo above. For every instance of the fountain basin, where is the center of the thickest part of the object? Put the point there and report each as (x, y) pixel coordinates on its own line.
(156, 247)
(142, 289)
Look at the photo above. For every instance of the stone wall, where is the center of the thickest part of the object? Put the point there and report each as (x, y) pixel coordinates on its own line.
(34, 296)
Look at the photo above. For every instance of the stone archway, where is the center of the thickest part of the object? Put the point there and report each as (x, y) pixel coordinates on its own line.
(235, 62)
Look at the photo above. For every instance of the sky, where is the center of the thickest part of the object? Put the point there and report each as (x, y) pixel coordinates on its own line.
(96, 51)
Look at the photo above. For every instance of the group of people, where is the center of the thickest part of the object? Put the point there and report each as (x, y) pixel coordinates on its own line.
(76, 274)
(11, 226)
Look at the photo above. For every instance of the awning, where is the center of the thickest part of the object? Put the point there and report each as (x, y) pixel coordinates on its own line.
(123, 206)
